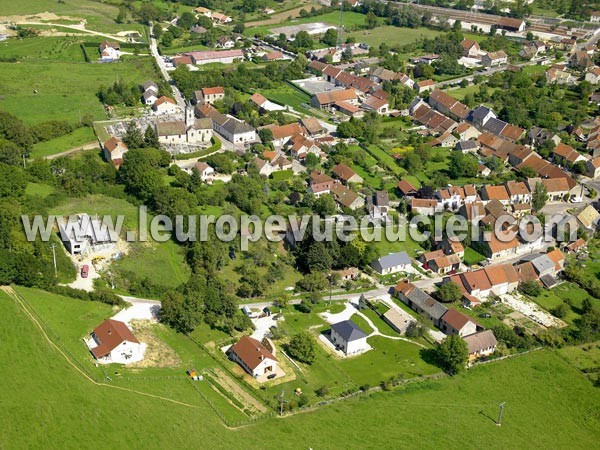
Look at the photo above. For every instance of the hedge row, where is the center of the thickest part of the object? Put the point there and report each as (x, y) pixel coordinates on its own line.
(216, 145)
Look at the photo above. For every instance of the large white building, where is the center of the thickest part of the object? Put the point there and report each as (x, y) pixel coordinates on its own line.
(234, 130)
(223, 56)
(113, 342)
(192, 131)
(83, 234)
(349, 338)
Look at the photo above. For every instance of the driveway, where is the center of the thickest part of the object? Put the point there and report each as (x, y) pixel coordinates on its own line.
(140, 309)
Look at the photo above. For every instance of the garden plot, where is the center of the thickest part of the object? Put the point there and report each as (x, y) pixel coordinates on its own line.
(533, 311)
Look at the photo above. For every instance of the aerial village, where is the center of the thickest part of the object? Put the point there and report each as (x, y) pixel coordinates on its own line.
(344, 128)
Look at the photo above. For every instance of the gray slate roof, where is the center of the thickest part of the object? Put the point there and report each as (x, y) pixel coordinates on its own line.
(395, 259)
(495, 126)
(478, 114)
(480, 341)
(348, 330)
(427, 303)
(542, 264)
(467, 145)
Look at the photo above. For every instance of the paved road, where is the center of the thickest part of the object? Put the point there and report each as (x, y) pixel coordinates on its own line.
(163, 69)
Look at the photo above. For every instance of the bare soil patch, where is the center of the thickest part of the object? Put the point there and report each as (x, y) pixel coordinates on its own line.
(158, 354)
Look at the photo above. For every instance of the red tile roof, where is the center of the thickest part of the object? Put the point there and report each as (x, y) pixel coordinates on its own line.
(109, 335)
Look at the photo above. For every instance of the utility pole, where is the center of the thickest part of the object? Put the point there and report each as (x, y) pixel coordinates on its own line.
(281, 404)
(54, 258)
(24, 163)
(499, 423)
(340, 42)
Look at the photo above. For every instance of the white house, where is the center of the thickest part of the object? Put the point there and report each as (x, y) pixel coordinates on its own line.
(113, 342)
(481, 344)
(110, 51)
(253, 356)
(204, 170)
(455, 322)
(113, 150)
(349, 338)
(165, 105)
(392, 263)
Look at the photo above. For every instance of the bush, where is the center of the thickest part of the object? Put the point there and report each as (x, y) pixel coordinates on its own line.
(302, 348)
(561, 311)
(531, 288)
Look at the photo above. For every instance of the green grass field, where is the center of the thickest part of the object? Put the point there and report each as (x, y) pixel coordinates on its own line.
(78, 137)
(549, 404)
(99, 16)
(351, 19)
(393, 36)
(67, 90)
(39, 189)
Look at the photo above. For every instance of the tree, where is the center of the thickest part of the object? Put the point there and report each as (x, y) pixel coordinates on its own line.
(586, 305)
(318, 258)
(151, 138)
(239, 28)
(266, 135)
(122, 16)
(371, 21)
(303, 40)
(531, 288)
(330, 37)
(302, 348)
(539, 197)
(561, 311)
(449, 292)
(453, 354)
(311, 161)
(179, 312)
(133, 136)
(167, 39)
(186, 20)
(157, 30)
(462, 165)
(347, 54)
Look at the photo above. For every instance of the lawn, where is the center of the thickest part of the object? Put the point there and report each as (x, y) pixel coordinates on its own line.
(39, 189)
(287, 95)
(550, 299)
(393, 36)
(535, 69)
(64, 410)
(585, 357)
(67, 90)
(78, 137)
(473, 257)
(351, 19)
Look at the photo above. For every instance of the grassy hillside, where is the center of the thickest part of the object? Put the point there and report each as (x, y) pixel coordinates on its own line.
(47, 403)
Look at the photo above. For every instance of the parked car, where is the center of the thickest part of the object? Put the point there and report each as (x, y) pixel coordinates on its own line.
(270, 377)
(84, 271)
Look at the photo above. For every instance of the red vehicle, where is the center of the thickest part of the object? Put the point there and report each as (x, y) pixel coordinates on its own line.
(84, 271)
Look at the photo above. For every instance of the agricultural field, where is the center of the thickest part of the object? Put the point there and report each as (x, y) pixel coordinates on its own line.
(177, 416)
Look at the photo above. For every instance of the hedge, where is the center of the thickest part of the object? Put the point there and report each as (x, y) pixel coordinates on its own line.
(216, 146)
